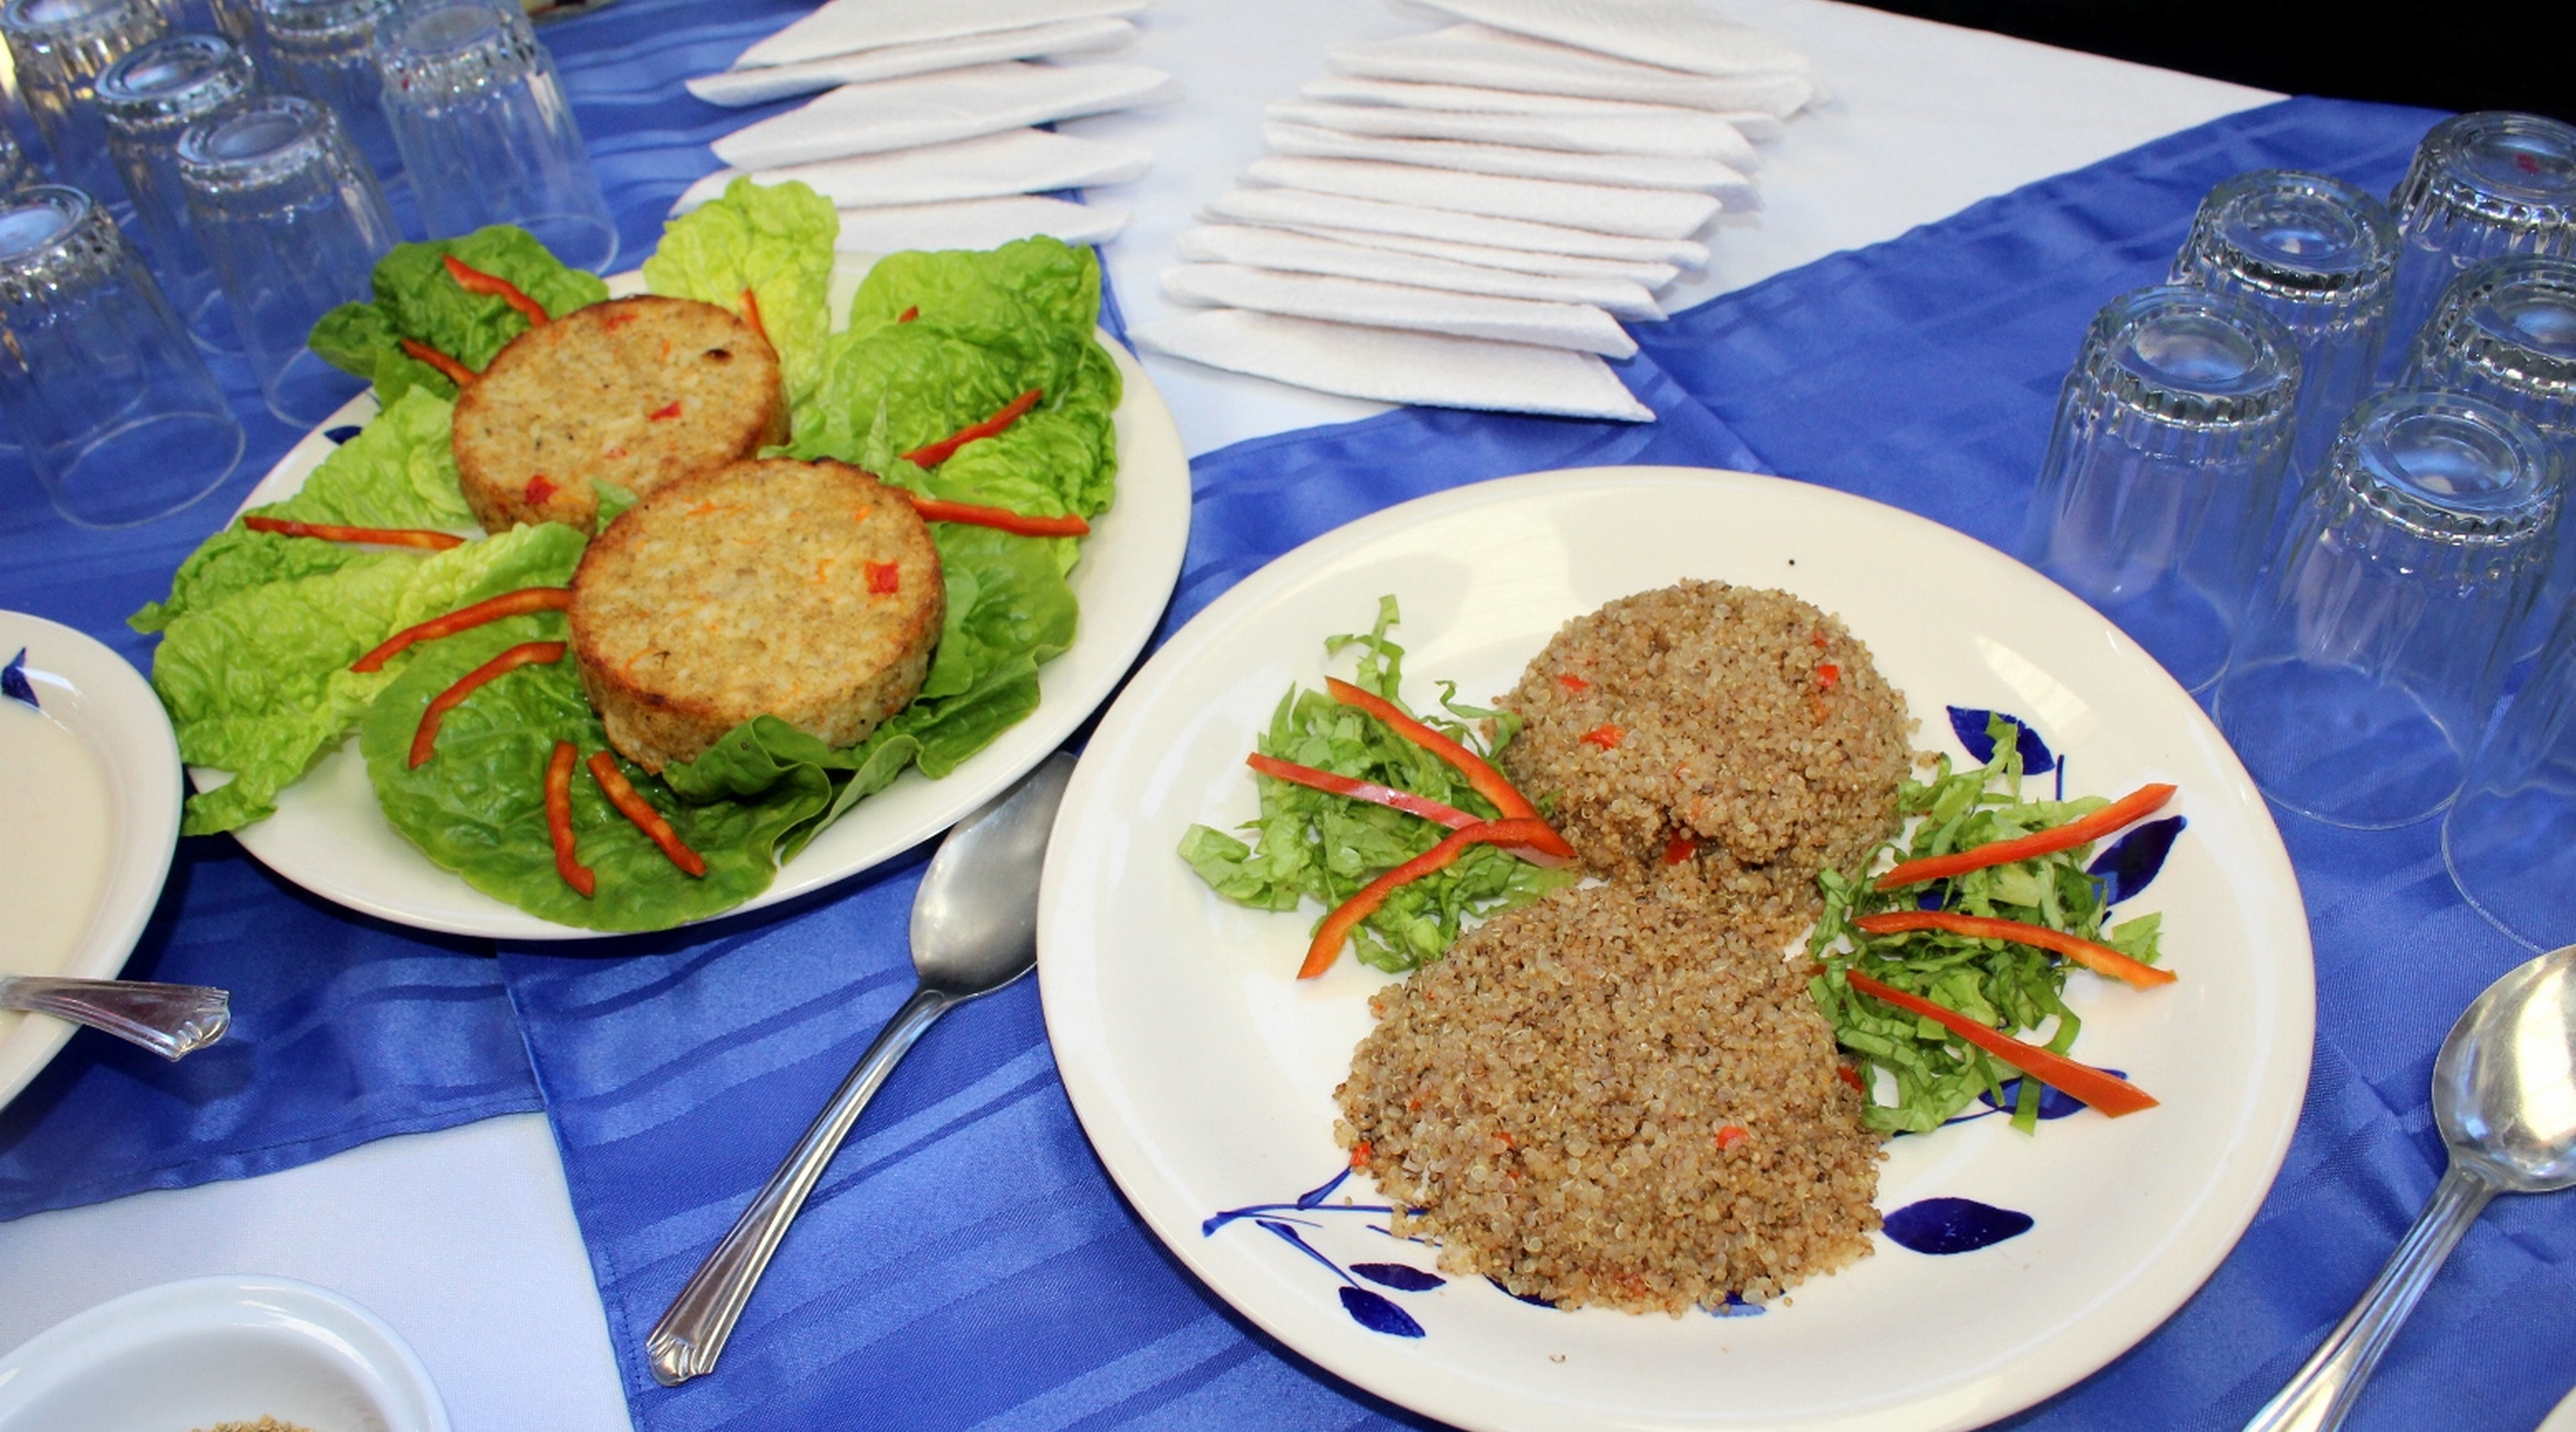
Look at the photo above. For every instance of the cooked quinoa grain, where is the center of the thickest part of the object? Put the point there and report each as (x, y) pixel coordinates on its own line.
(1737, 731)
(1616, 1095)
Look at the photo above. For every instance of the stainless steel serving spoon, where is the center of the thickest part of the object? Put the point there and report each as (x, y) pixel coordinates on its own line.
(2504, 1097)
(974, 930)
(168, 1019)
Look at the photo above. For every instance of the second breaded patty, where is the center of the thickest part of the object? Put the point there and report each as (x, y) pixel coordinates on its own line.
(636, 391)
(801, 590)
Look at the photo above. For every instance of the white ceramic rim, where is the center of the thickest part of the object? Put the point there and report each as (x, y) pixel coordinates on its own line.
(1098, 907)
(397, 1384)
(330, 837)
(106, 703)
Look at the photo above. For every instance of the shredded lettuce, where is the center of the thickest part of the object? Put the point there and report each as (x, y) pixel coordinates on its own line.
(2008, 986)
(775, 240)
(1310, 844)
(416, 298)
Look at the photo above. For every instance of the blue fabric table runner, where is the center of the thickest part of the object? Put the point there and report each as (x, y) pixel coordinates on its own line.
(966, 1264)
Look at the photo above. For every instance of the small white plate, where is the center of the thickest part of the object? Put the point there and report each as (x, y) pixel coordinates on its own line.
(89, 814)
(1204, 1072)
(211, 1350)
(331, 837)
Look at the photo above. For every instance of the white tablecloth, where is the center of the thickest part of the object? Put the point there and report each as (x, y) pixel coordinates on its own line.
(464, 1240)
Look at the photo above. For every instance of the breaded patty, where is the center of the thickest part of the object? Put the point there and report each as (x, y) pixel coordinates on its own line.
(636, 391)
(801, 590)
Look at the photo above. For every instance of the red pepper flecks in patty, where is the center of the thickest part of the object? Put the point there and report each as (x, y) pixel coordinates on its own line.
(538, 489)
(884, 578)
(665, 413)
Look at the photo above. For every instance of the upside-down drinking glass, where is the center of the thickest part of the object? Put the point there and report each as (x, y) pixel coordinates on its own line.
(326, 49)
(148, 99)
(2481, 185)
(59, 48)
(2510, 839)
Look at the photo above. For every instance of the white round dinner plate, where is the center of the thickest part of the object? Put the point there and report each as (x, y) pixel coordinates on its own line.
(1204, 1072)
(89, 788)
(331, 837)
(207, 1351)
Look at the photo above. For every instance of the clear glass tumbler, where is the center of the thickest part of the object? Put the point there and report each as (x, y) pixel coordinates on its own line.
(2156, 499)
(292, 223)
(485, 133)
(2510, 839)
(2481, 185)
(2505, 331)
(327, 49)
(59, 48)
(100, 383)
(2377, 646)
(148, 99)
(2318, 255)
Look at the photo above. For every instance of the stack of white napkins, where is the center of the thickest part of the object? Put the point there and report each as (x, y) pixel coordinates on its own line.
(1461, 218)
(926, 134)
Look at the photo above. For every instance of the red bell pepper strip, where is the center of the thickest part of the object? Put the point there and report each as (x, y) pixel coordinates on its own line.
(945, 448)
(908, 314)
(623, 795)
(2136, 805)
(424, 741)
(2102, 1089)
(2101, 959)
(491, 609)
(1336, 929)
(1359, 790)
(381, 536)
(751, 315)
(933, 509)
(456, 372)
(475, 280)
(1488, 782)
(559, 822)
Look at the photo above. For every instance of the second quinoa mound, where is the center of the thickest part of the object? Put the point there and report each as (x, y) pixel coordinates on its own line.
(1616, 1095)
(1735, 731)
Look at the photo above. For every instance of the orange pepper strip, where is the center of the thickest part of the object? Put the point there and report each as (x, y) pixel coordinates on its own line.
(1359, 790)
(933, 509)
(456, 372)
(1336, 929)
(381, 536)
(2103, 1090)
(475, 280)
(945, 448)
(2101, 959)
(559, 822)
(2136, 805)
(491, 609)
(908, 314)
(424, 741)
(751, 315)
(623, 795)
(1488, 782)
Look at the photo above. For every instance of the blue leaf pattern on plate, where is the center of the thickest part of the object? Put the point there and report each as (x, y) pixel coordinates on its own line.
(13, 680)
(1969, 725)
(1945, 1226)
(340, 434)
(1533, 1299)
(2126, 867)
(1377, 1314)
(1399, 1276)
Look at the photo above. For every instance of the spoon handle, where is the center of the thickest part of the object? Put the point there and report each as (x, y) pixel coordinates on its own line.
(692, 1332)
(2318, 1399)
(168, 1019)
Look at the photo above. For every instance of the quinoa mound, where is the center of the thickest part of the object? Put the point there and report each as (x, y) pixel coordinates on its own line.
(1615, 1095)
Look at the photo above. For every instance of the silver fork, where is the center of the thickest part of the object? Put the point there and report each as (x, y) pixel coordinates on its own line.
(168, 1019)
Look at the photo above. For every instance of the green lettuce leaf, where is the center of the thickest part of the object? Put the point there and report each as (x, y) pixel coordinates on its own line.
(774, 239)
(415, 297)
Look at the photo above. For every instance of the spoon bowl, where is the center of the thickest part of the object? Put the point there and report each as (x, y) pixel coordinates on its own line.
(2504, 1098)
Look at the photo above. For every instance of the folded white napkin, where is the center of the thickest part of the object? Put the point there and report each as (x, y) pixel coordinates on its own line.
(1305, 253)
(1672, 34)
(1391, 305)
(1051, 41)
(975, 224)
(1756, 125)
(1674, 133)
(845, 25)
(1722, 182)
(1478, 56)
(1649, 276)
(1391, 366)
(1637, 213)
(931, 109)
(1015, 161)
(1296, 208)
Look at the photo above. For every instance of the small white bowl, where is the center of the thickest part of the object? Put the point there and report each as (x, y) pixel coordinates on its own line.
(192, 1354)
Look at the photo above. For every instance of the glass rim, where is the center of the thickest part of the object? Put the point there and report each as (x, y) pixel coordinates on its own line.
(2364, 266)
(2366, 469)
(128, 95)
(303, 130)
(2270, 359)
(322, 19)
(72, 206)
(2506, 352)
(100, 17)
(2441, 176)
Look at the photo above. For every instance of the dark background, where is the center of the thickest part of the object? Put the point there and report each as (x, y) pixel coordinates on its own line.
(2444, 56)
